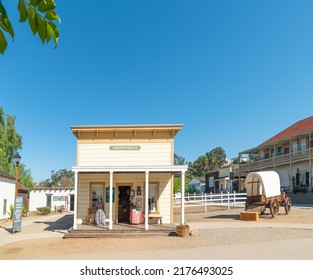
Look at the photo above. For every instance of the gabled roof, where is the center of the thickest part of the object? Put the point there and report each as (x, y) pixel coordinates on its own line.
(117, 130)
(300, 127)
(12, 178)
(6, 175)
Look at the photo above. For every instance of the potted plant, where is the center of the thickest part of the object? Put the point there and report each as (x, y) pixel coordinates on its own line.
(182, 230)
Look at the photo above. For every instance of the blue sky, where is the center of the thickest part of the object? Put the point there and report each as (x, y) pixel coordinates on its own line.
(234, 73)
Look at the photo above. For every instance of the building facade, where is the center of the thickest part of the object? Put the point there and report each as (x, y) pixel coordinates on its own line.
(125, 167)
(57, 198)
(7, 194)
(289, 153)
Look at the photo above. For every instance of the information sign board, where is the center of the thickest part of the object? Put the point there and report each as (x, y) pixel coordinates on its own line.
(18, 213)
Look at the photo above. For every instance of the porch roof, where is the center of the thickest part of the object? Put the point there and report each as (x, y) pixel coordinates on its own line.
(130, 169)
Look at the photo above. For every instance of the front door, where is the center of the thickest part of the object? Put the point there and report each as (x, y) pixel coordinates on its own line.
(123, 204)
(72, 201)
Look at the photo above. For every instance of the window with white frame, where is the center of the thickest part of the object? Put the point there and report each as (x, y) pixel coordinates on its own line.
(96, 196)
(279, 151)
(153, 197)
(5, 205)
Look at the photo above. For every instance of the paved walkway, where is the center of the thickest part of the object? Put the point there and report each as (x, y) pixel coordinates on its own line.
(37, 227)
(55, 226)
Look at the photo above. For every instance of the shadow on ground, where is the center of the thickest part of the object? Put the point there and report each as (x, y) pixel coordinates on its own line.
(225, 216)
(64, 223)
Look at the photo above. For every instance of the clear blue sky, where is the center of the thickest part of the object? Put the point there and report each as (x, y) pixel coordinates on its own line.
(233, 72)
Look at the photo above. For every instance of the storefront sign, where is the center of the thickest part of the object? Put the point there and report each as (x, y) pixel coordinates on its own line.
(59, 198)
(18, 213)
(124, 148)
(107, 194)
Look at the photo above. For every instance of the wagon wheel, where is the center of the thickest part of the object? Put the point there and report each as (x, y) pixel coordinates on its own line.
(247, 206)
(274, 207)
(262, 210)
(287, 203)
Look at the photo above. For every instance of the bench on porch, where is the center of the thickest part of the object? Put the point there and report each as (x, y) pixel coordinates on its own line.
(155, 216)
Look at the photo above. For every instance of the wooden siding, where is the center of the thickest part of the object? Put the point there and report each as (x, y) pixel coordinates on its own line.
(164, 181)
(101, 155)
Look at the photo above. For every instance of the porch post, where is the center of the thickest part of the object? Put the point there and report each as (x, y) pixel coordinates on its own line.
(146, 201)
(75, 199)
(111, 202)
(182, 217)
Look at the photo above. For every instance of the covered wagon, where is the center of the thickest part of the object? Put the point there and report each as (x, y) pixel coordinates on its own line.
(264, 191)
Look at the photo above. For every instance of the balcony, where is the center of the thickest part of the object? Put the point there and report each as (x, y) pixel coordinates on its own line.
(297, 156)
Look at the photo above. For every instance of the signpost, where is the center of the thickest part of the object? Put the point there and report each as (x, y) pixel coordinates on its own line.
(18, 213)
(231, 179)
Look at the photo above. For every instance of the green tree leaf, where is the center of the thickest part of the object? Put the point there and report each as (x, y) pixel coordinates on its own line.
(46, 5)
(32, 20)
(56, 33)
(6, 26)
(50, 32)
(52, 15)
(23, 11)
(42, 31)
(3, 42)
(34, 2)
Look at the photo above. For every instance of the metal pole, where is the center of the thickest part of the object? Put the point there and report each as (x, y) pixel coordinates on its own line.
(16, 180)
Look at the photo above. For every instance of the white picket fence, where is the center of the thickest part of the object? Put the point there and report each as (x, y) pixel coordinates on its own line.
(209, 199)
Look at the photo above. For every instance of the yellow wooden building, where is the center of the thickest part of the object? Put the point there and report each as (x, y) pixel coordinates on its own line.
(126, 167)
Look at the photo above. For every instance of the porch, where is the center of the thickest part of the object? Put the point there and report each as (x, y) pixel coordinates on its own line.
(119, 230)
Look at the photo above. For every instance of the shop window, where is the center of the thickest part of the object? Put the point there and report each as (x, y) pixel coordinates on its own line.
(279, 151)
(96, 196)
(5, 202)
(294, 146)
(153, 197)
(48, 200)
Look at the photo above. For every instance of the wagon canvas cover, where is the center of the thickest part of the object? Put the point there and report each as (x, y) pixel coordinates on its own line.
(263, 183)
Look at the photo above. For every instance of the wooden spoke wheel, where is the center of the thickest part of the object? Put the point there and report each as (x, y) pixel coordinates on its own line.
(246, 206)
(287, 203)
(274, 207)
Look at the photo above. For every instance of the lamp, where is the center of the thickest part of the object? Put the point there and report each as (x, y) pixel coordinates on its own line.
(17, 159)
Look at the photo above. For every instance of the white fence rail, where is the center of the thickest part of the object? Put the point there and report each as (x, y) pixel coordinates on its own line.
(210, 199)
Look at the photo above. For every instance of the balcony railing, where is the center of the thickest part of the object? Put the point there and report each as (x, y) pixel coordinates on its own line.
(301, 155)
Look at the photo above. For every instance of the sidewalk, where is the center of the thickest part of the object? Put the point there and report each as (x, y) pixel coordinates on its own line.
(34, 227)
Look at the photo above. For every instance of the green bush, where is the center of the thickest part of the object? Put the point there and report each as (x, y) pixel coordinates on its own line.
(11, 213)
(24, 210)
(44, 210)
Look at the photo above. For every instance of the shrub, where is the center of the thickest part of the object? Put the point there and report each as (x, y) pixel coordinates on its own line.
(44, 210)
(24, 210)
(11, 213)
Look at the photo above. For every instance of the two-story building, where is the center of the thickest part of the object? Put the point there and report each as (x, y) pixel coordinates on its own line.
(289, 153)
(126, 167)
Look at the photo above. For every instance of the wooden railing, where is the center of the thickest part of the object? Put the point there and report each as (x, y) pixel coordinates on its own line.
(277, 160)
(213, 199)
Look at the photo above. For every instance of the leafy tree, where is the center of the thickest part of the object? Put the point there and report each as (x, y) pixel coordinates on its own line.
(178, 160)
(177, 185)
(60, 179)
(216, 158)
(10, 143)
(40, 15)
(209, 162)
(200, 166)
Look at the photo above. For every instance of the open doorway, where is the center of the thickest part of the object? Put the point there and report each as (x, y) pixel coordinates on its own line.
(123, 204)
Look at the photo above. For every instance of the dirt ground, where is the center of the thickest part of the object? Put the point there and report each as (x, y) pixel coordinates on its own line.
(217, 227)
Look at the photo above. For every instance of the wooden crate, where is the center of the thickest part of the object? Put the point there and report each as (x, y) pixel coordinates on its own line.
(249, 216)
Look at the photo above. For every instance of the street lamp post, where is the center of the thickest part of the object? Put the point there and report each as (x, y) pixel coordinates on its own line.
(18, 201)
(17, 159)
